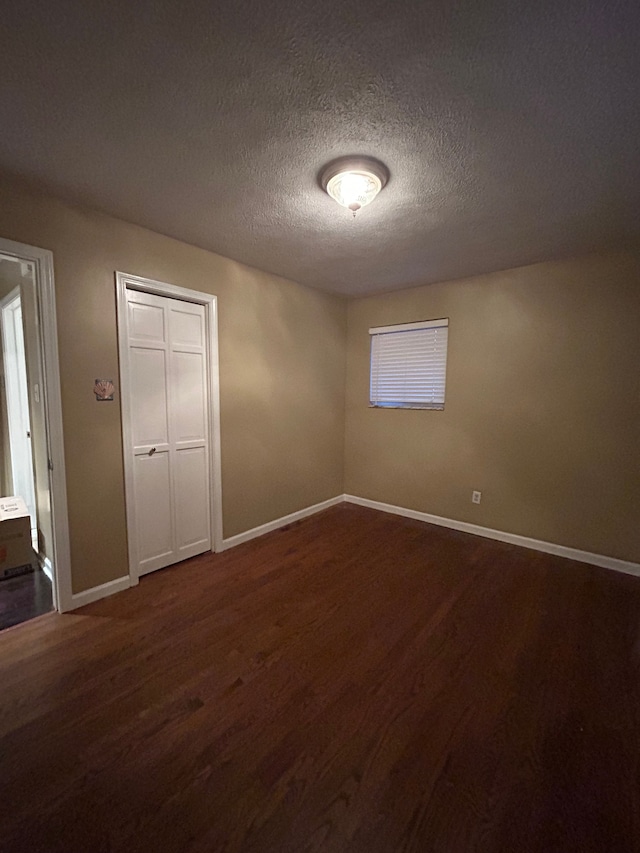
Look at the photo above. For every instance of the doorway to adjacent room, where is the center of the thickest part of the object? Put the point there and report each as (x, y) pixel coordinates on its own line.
(34, 563)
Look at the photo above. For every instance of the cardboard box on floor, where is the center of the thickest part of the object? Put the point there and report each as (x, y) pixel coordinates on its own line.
(15, 535)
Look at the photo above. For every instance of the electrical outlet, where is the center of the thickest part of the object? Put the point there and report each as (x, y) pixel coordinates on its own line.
(475, 497)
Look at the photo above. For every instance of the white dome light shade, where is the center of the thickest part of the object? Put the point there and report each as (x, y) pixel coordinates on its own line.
(354, 189)
(354, 182)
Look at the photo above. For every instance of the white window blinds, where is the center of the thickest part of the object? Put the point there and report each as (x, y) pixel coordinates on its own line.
(409, 365)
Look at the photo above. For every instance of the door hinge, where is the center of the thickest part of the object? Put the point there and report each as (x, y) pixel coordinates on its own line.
(50, 464)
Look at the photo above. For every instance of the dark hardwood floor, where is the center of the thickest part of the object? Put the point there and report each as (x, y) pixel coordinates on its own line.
(24, 597)
(358, 682)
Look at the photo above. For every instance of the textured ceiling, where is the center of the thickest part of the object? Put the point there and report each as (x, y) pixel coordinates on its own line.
(510, 128)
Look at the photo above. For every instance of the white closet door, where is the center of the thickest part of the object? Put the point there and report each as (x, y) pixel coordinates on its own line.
(188, 427)
(169, 426)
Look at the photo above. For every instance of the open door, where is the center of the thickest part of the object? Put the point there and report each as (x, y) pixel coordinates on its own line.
(17, 401)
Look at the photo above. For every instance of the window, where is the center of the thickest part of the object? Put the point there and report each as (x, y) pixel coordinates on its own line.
(409, 365)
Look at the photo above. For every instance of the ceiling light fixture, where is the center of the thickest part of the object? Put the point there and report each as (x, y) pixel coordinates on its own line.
(354, 181)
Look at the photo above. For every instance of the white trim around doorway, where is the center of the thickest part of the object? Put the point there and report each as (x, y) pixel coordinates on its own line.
(124, 282)
(42, 259)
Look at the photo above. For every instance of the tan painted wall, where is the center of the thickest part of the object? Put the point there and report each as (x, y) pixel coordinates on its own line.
(282, 363)
(542, 397)
(542, 409)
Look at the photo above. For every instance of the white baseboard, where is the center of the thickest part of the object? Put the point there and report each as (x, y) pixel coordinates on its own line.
(45, 565)
(279, 522)
(512, 538)
(97, 592)
(79, 599)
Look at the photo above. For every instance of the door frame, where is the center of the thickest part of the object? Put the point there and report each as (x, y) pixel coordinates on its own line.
(124, 282)
(42, 260)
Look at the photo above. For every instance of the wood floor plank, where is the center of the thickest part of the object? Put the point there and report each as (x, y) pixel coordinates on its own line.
(24, 597)
(357, 682)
